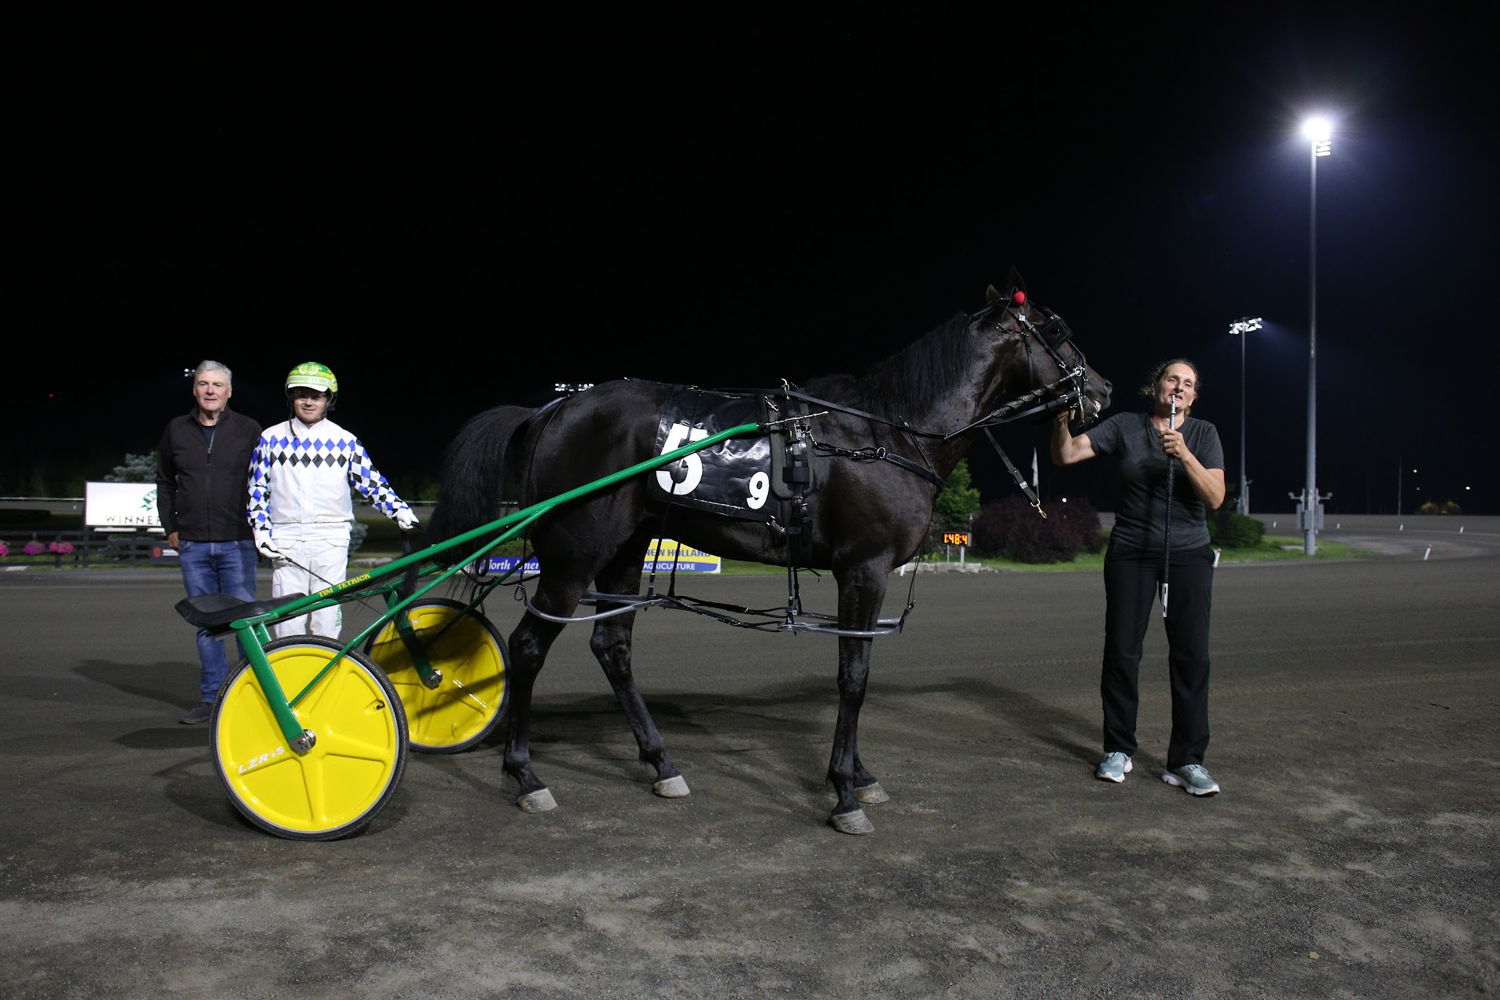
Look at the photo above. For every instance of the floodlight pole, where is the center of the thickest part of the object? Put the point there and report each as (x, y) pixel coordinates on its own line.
(1319, 145)
(1241, 328)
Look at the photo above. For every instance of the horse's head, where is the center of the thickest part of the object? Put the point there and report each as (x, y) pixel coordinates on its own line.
(1059, 375)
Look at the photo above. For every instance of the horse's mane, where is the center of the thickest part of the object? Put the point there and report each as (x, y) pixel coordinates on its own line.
(914, 379)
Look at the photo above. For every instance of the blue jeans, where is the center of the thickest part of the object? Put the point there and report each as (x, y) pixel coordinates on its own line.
(216, 568)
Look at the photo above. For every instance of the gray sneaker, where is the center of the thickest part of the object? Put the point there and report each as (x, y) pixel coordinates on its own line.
(1191, 778)
(1113, 767)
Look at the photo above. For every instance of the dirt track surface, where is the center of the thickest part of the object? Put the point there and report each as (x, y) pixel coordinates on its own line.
(1352, 852)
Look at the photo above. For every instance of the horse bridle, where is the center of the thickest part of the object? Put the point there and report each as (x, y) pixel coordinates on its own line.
(1052, 334)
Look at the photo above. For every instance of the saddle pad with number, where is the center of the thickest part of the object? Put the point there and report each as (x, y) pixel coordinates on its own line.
(732, 478)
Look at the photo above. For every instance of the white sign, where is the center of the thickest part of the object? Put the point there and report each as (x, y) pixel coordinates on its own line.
(120, 505)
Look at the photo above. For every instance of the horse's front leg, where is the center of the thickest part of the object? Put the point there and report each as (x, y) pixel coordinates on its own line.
(611, 644)
(860, 598)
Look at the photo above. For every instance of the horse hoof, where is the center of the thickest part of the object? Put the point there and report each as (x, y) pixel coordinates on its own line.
(539, 801)
(871, 793)
(674, 787)
(852, 822)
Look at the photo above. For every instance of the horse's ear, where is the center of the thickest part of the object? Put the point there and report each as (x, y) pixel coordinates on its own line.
(1014, 281)
(991, 295)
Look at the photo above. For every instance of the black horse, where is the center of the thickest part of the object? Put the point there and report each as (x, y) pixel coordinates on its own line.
(873, 451)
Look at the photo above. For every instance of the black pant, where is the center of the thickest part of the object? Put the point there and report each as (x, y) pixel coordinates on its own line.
(1130, 588)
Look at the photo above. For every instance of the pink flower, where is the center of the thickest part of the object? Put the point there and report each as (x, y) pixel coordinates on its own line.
(61, 548)
(4, 549)
(34, 548)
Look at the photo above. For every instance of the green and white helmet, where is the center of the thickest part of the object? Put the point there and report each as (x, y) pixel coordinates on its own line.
(313, 376)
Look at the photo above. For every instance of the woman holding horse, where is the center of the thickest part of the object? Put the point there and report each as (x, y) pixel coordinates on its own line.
(1160, 535)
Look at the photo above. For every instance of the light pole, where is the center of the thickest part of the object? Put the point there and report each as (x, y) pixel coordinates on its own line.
(1242, 328)
(1401, 481)
(1319, 134)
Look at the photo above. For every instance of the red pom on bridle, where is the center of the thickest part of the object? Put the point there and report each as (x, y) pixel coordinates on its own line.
(1018, 297)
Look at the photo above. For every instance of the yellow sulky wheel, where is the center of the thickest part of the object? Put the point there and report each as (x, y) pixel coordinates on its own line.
(465, 647)
(355, 762)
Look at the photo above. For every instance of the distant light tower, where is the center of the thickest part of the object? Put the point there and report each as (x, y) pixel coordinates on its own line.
(1400, 481)
(1242, 328)
(1319, 133)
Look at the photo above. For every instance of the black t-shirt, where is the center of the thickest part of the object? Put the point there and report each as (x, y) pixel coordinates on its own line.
(1140, 521)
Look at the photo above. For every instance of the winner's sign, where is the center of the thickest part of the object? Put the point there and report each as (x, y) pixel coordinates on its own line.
(120, 505)
(661, 556)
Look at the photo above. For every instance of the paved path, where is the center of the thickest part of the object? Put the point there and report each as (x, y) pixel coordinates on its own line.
(1352, 853)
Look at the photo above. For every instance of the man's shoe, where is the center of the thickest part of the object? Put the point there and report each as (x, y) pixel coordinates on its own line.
(1191, 778)
(1113, 767)
(198, 714)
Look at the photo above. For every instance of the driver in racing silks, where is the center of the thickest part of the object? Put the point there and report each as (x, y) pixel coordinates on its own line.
(300, 508)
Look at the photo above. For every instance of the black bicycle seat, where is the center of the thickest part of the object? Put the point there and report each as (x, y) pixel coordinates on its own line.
(216, 612)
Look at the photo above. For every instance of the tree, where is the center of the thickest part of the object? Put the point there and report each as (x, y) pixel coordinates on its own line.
(135, 469)
(958, 500)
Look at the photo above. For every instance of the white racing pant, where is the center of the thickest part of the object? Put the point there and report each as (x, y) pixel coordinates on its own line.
(310, 565)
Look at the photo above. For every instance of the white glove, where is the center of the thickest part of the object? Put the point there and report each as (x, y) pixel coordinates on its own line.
(265, 546)
(406, 520)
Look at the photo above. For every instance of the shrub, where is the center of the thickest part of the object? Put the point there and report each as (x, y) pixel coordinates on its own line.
(1012, 528)
(1229, 530)
(123, 547)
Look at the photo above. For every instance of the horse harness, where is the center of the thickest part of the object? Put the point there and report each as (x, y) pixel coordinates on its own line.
(742, 477)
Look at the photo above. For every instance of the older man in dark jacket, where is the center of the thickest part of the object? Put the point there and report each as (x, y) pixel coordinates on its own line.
(201, 467)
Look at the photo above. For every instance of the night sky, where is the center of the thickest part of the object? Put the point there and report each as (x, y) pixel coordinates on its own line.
(456, 213)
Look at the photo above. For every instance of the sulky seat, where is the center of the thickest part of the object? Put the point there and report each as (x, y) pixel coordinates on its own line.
(215, 612)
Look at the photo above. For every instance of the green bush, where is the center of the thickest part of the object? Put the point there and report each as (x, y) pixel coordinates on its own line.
(1012, 528)
(1229, 530)
(119, 546)
(957, 502)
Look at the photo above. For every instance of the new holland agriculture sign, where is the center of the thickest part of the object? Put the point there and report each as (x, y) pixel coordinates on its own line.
(670, 553)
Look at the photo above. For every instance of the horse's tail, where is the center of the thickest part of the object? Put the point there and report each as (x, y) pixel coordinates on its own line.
(478, 467)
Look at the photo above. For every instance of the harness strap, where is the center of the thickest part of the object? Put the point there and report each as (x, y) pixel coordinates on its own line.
(910, 466)
(841, 407)
(868, 454)
(881, 455)
(1016, 474)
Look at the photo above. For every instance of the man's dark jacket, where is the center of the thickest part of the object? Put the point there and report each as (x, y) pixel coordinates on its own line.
(200, 491)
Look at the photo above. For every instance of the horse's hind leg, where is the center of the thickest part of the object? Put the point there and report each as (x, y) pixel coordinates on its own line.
(611, 643)
(529, 643)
